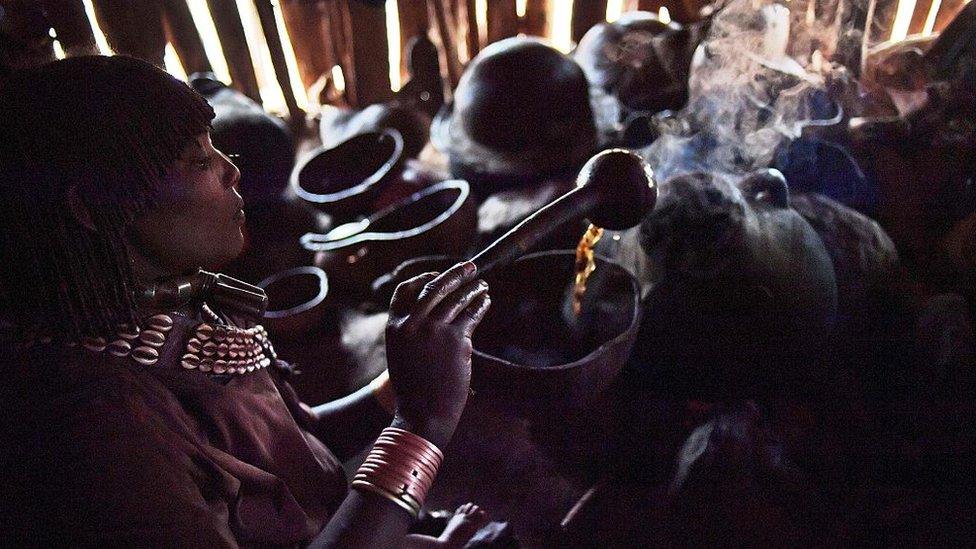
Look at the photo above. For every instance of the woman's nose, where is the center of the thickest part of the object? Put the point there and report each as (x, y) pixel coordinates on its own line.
(232, 175)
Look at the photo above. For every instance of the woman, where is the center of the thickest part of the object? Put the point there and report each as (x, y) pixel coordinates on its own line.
(143, 405)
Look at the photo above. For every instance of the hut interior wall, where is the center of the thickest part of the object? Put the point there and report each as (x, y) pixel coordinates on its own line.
(341, 48)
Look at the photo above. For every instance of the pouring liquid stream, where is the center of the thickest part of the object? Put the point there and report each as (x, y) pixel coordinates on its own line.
(585, 265)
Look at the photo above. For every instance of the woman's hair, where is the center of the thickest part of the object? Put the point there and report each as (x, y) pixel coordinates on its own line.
(106, 130)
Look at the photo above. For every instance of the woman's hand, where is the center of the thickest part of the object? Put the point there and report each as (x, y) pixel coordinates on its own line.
(428, 348)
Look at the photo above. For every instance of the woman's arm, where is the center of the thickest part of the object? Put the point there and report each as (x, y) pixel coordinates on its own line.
(348, 424)
(428, 341)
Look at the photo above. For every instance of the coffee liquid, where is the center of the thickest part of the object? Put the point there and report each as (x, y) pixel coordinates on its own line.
(585, 264)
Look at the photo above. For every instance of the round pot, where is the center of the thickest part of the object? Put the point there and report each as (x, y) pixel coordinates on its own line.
(344, 180)
(338, 125)
(296, 301)
(532, 355)
(437, 220)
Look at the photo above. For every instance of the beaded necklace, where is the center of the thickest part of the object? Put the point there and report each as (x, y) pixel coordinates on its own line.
(214, 346)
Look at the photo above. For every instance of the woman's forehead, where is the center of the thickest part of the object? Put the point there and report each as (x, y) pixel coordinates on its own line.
(199, 144)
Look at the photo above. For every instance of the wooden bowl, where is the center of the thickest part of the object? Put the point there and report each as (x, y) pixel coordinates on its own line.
(532, 355)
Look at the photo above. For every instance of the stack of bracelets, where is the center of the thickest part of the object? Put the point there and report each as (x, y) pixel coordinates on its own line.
(401, 468)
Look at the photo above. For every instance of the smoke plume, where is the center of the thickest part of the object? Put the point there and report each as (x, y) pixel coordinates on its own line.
(758, 79)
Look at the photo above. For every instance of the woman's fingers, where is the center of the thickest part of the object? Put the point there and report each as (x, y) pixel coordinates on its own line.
(437, 289)
(469, 318)
(451, 306)
(406, 293)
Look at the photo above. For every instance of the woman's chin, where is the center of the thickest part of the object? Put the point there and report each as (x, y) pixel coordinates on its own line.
(225, 254)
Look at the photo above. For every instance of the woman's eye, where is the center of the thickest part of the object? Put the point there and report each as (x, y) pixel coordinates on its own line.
(205, 163)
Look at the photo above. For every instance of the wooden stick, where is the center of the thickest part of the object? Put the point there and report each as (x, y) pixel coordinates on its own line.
(687, 11)
(919, 15)
(329, 94)
(446, 33)
(340, 32)
(473, 37)
(270, 27)
(459, 22)
(183, 34)
(370, 53)
(70, 22)
(955, 47)
(303, 21)
(133, 28)
(948, 12)
(413, 22)
(536, 19)
(650, 5)
(230, 29)
(884, 19)
(586, 14)
(454, 14)
(502, 20)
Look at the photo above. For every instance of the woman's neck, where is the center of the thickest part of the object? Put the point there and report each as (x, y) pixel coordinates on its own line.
(146, 270)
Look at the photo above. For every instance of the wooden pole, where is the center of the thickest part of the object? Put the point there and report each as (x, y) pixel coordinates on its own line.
(454, 14)
(947, 12)
(413, 22)
(536, 19)
(686, 11)
(881, 21)
(473, 37)
(446, 33)
(340, 33)
(270, 28)
(303, 21)
(370, 53)
(586, 14)
(183, 34)
(329, 94)
(459, 18)
(502, 20)
(650, 5)
(230, 29)
(133, 27)
(919, 15)
(70, 22)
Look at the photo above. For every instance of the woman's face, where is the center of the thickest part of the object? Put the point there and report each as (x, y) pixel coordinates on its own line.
(198, 218)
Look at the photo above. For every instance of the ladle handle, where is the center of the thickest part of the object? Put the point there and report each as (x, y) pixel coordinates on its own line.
(520, 239)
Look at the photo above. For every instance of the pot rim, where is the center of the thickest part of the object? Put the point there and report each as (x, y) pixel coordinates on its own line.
(307, 305)
(309, 242)
(373, 179)
(634, 321)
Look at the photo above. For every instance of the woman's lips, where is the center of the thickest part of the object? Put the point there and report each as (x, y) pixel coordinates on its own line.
(239, 215)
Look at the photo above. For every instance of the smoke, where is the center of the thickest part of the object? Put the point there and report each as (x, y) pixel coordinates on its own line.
(759, 78)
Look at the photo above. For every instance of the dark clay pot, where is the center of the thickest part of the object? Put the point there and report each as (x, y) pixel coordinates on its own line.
(343, 181)
(520, 113)
(532, 355)
(339, 125)
(437, 220)
(640, 61)
(297, 301)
